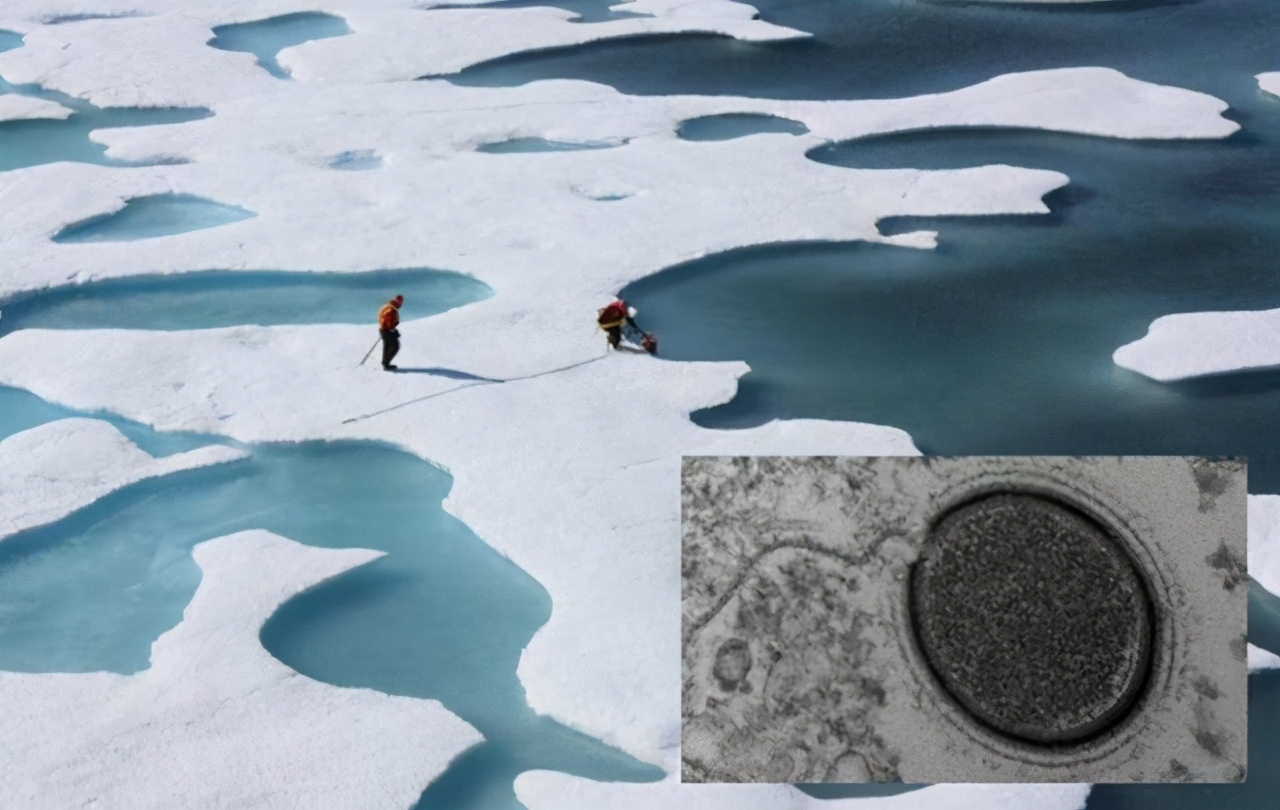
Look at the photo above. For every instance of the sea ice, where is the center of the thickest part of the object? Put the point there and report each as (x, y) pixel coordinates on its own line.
(52, 470)
(1270, 82)
(14, 107)
(1198, 343)
(1260, 659)
(1264, 541)
(217, 721)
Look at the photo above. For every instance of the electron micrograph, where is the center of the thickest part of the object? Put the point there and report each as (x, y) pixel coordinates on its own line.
(973, 619)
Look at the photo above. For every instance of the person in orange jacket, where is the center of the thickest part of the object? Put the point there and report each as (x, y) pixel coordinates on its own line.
(619, 316)
(388, 321)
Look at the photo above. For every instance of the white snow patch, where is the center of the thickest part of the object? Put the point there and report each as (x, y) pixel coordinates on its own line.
(1260, 659)
(544, 790)
(1264, 541)
(14, 107)
(217, 721)
(52, 470)
(1270, 82)
(1198, 343)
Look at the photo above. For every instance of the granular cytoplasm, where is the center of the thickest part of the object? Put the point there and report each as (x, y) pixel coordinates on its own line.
(1032, 617)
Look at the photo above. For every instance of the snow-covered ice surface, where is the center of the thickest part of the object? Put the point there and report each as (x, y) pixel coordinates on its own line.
(25, 108)
(1200, 343)
(600, 531)
(54, 469)
(1260, 659)
(1270, 82)
(1264, 541)
(217, 721)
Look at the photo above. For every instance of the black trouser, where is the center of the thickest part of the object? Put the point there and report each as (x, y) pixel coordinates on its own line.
(615, 335)
(390, 344)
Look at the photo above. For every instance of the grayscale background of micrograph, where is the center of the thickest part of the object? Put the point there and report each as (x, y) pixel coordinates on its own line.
(801, 662)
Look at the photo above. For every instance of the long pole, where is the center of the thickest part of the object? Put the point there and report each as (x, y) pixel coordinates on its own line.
(371, 348)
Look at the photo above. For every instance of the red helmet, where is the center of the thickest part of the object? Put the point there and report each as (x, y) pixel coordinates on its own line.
(398, 300)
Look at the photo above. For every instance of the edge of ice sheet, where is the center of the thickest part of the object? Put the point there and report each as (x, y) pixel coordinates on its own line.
(1269, 82)
(54, 469)
(217, 721)
(1260, 659)
(1264, 541)
(14, 107)
(1196, 344)
(549, 790)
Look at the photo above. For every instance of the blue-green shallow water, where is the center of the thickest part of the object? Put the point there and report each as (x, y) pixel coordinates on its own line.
(266, 38)
(35, 142)
(22, 410)
(441, 616)
(153, 216)
(736, 125)
(525, 145)
(218, 298)
(588, 11)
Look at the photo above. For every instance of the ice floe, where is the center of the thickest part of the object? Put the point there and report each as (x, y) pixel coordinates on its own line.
(217, 721)
(52, 470)
(1264, 541)
(14, 107)
(1270, 82)
(1260, 659)
(1195, 344)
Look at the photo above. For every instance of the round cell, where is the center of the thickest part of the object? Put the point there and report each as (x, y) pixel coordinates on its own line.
(1032, 617)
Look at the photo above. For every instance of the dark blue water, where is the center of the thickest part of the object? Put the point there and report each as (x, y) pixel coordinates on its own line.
(889, 48)
(266, 38)
(210, 299)
(153, 216)
(736, 125)
(1000, 340)
(442, 616)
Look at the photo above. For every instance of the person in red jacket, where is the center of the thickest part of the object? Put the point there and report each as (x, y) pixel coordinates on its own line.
(388, 321)
(619, 316)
